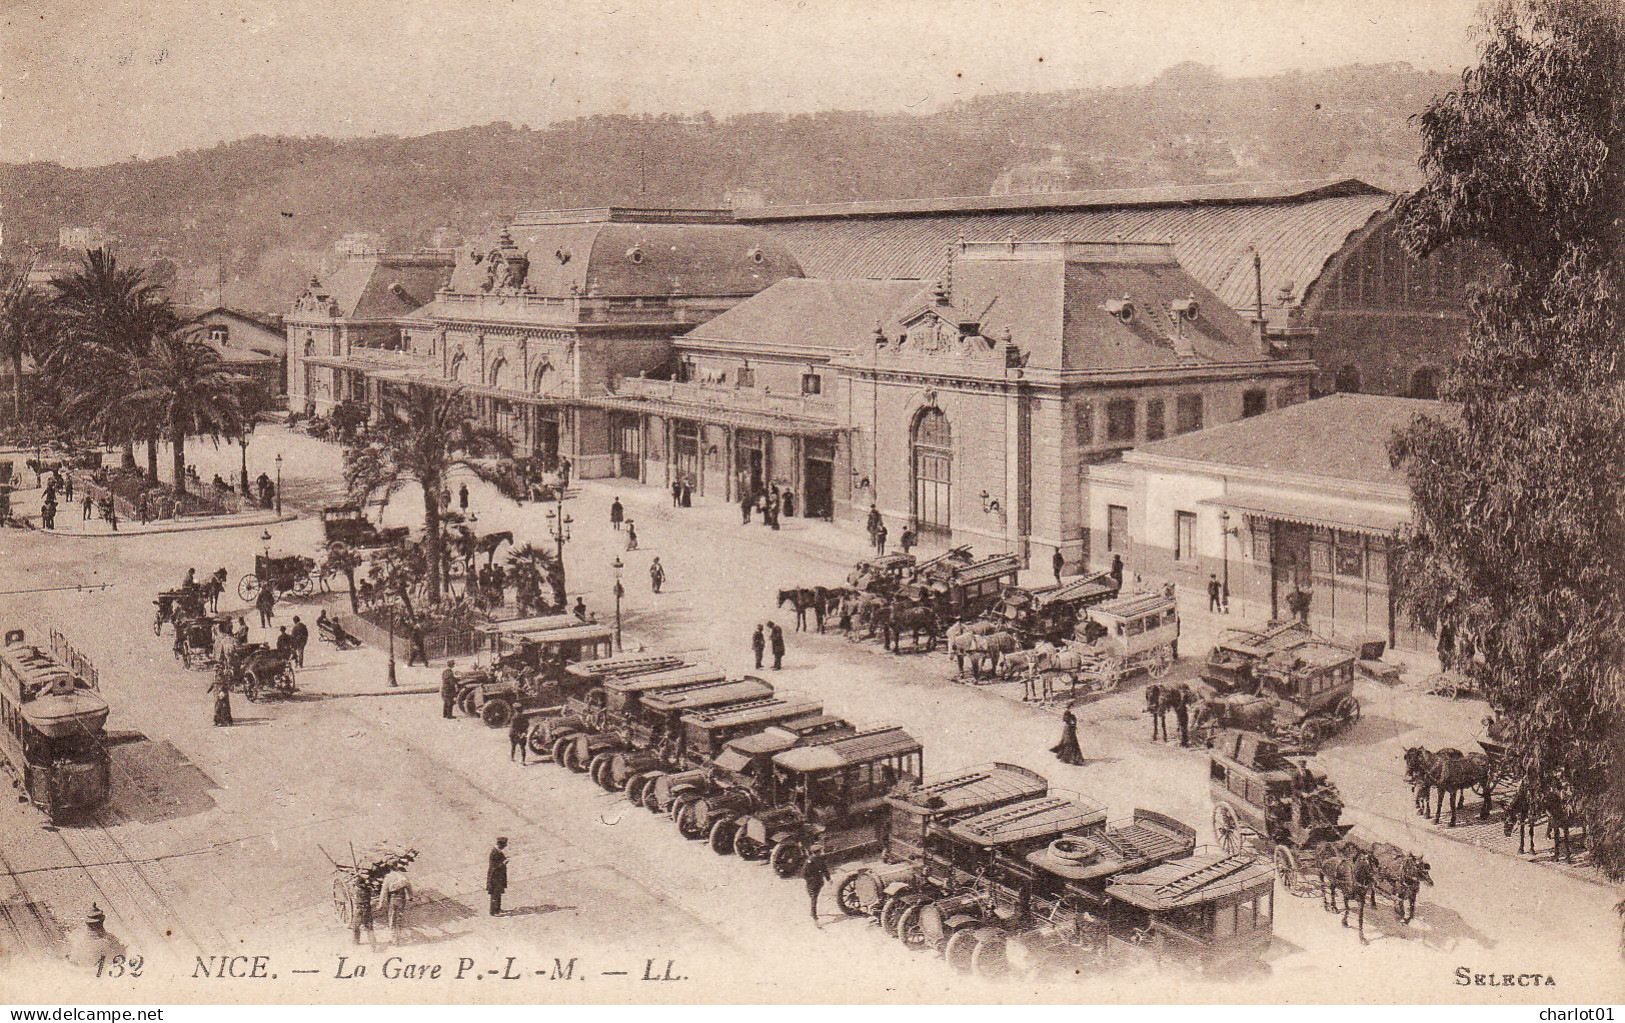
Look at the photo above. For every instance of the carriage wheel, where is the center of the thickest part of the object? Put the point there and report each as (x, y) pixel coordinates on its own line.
(247, 586)
(989, 958)
(536, 740)
(1348, 711)
(689, 824)
(1314, 731)
(496, 713)
(1161, 666)
(960, 947)
(561, 749)
(251, 687)
(301, 586)
(721, 838)
(1227, 829)
(847, 896)
(285, 681)
(788, 858)
(1286, 867)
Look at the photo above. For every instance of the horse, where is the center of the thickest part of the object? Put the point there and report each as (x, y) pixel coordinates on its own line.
(1162, 697)
(1407, 872)
(1453, 773)
(914, 620)
(979, 627)
(1025, 660)
(211, 588)
(1349, 871)
(1248, 713)
(1532, 804)
(802, 599)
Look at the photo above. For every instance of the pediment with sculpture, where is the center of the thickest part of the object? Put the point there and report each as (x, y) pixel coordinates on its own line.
(942, 334)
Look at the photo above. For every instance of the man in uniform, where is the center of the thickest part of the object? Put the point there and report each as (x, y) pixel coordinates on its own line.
(518, 732)
(448, 689)
(778, 645)
(496, 875)
(816, 874)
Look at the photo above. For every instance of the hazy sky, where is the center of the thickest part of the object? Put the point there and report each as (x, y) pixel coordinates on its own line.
(94, 82)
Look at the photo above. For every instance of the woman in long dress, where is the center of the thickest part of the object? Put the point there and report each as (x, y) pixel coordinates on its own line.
(222, 702)
(1067, 750)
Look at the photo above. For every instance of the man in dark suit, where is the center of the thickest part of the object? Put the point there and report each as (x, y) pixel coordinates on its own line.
(448, 689)
(816, 874)
(496, 875)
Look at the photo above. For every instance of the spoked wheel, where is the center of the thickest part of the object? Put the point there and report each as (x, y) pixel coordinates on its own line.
(247, 586)
(892, 909)
(989, 959)
(690, 822)
(748, 848)
(1161, 666)
(721, 837)
(285, 681)
(598, 770)
(536, 741)
(496, 713)
(909, 931)
(849, 894)
(343, 900)
(1227, 829)
(301, 586)
(1348, 711)
(561, 748)
(958, 951)
(788, 858)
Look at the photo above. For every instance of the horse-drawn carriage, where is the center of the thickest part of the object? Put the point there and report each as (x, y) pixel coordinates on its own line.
(1051, 614)
(254, 669)
(1265, 801)
(174, 605)
(196, 638)
(1136, 633)
(1280, 680)
(280, 573)
(348, 524)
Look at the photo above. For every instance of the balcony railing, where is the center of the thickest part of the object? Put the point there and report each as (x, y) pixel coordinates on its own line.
(747, 399)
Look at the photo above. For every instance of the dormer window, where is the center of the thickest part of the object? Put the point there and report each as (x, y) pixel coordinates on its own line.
(1121, 308)
(746, 377)
(219, 334)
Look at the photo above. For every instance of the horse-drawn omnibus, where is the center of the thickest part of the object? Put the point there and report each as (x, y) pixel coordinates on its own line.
(53, 716)
(1309, 683)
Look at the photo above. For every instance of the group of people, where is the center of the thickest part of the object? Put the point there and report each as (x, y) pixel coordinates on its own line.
(771, 503)
(879, 534)
(768, 636)
(682, 492)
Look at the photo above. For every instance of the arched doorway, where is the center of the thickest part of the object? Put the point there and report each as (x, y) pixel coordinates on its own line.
(932, 459)
(1425, 383)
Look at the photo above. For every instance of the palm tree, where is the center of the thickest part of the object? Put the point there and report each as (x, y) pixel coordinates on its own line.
(112, 317)
(421, 434)
(27, 321)
(532, 566)
(183, 387)
(344, 559)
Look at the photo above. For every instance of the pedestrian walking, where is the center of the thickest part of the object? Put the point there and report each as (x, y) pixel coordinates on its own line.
(616, 514)
(778, 645)
(284, 643)
(631, 535)
(222, 702)
(462, 498)
(111, 513)
(565, 466)
(448, 689)
(657, 574)
(816, 873)
(880, 540)
(746, 499)
(361, 908)
(1212, 592)
(86, 505)
(420, 650)
(301, 637)
(1067, 750)
(496, 875)
(47, 512)
(518, 732)
(676, 493)
(1057, 564)
(688, 494)
(397, 893)
(67, 486)
(874, 522)
(758, 646)
(265, 603)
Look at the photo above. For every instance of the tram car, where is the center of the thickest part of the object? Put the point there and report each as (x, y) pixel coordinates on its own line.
(700, 736)
(709, 800)
(53, 738)
(1308, 683)
(831, 794)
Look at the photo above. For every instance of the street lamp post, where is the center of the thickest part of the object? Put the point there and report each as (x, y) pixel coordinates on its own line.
(619, 592)
(558, 527)
(242, 442)
(279, 483)
(1225, 533)
(392, 681)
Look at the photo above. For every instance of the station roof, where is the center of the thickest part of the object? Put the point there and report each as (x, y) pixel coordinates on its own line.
(1022, 822)
(980, 786)
(820, 316)
(864, 747)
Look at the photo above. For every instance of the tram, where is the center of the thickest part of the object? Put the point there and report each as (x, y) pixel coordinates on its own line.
(53, 719)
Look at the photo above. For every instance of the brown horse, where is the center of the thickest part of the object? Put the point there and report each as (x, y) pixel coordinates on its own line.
(1162, 697)
(1406, 872)
(1348, 870)
(1532, 804)
(802, 599)
(897, 620)
(1453, 773)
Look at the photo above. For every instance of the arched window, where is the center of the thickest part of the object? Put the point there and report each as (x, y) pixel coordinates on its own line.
(310, 347)
(932, 459)
(1348, 379)
(538, 380)
(1425, 383)
(457, 366)
(499, 369)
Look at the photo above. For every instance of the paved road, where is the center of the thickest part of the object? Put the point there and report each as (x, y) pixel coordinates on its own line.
(231, 827)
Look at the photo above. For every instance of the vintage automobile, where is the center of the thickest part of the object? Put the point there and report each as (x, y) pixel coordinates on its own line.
(526, 669)
(495, 648)
(655, 728)
(281, 573)
(738, 781)
(700, 736)
(586, 680)
(347, 524)
(1309, 683)
(832, 794)
(255, 669)
(597, 707)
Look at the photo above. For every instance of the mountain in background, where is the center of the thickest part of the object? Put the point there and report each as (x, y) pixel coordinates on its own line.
(264, 213)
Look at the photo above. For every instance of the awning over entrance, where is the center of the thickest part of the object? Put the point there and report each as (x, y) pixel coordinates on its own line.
(1351, 515)
(720, 415)
(399, 376)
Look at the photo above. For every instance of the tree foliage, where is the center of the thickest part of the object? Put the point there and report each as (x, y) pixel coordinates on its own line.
(420, 435)
(183, 385)
(1519, 523)
(28, 322)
